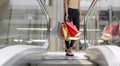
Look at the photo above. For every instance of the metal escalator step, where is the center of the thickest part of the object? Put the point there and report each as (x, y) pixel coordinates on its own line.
(61, 56)
(59, 59)
(63, 63)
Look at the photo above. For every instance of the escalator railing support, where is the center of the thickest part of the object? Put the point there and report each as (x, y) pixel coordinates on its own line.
(48, 19)
(85, 22)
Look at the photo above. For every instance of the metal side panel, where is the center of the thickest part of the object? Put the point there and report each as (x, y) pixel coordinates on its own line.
(116, 52)
(104, 55)
(16, 54)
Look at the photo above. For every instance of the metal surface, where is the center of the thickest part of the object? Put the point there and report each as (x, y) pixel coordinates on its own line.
(59, 59)
(46, 13)
(19, 54)
(85, 21)
(104, 55)
(110, 11)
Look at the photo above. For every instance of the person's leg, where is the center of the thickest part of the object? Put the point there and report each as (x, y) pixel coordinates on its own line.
(71, 43)
(70, 18)
(67, 44)
(69, 50)
(76, 23)
(71, 14)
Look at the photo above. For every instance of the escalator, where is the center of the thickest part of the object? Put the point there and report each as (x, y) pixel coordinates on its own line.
(100, 54)
(25, 37)
(24, 32)
(23, 23)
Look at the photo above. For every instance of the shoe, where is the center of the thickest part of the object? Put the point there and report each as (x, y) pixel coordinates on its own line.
(69, 54)
(65, 50)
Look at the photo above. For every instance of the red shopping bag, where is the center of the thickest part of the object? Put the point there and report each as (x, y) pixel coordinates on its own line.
(110, 31)
(72, 29)
(67, 33)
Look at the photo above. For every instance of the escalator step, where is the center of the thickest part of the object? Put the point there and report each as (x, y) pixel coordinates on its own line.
(59, 59)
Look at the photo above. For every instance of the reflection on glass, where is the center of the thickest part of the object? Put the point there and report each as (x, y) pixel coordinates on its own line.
(22, 22)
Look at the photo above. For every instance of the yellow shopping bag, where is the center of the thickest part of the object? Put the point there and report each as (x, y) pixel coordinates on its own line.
(65, 32)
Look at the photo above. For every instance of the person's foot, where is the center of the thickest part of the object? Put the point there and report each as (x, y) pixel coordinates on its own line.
(65, 50)
(69, 54)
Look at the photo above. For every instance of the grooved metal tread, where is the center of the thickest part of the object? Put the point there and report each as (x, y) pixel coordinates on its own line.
(59, 59)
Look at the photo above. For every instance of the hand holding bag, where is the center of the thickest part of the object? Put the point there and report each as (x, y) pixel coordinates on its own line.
(69, 31)
(72, 29)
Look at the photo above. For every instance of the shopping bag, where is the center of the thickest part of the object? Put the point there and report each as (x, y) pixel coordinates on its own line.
(110, 31)
(66, 33)
(72, 29)
(56, 31)
(109, 38)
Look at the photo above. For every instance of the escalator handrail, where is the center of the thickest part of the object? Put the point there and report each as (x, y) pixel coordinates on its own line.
(47, 15)
(85, 20)
(44, 9)
(90, 8)
(48, 21)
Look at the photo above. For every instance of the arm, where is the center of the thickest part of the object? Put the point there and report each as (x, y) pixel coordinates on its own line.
(66, 7)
